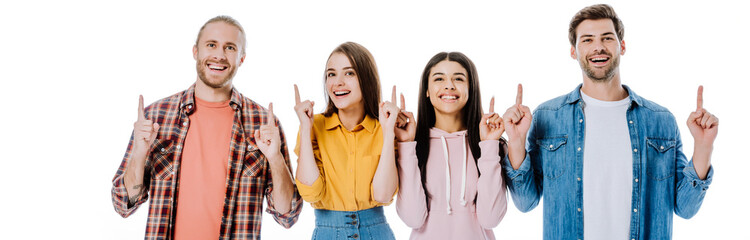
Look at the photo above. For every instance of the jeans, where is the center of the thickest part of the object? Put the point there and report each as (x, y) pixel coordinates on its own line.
(363, 224)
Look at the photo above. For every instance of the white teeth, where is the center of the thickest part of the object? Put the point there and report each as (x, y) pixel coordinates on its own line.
(338, 93)
(449, 97)
(598, 59)
(215, 67)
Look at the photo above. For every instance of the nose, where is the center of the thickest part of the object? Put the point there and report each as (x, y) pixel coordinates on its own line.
(218, 55)
(599, 47)
(449, 85)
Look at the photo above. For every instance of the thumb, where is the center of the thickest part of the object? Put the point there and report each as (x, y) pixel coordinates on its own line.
(256, 134)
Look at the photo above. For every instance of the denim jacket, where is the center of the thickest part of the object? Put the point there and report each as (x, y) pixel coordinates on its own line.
(663, 180)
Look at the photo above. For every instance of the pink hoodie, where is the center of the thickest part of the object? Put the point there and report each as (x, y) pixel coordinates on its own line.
(454, 215)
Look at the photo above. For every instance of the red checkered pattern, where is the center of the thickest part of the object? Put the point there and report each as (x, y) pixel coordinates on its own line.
(248, 179)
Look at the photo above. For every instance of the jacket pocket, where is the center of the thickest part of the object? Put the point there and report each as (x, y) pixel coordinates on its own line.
(162, 156)
(552, 154)
(660, 158)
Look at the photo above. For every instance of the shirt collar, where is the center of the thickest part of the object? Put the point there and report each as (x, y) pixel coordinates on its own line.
(331, 122)
(187, 103)
(575, 95)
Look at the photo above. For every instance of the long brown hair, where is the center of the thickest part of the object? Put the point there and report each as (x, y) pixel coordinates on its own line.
(472, 113)
(367, 74)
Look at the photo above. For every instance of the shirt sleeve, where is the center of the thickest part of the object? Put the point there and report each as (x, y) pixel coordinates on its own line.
(287, 219)
(690, 188)
(315, 192)
(491, 199)
(411, 204)
(120, 199)
(525, 183)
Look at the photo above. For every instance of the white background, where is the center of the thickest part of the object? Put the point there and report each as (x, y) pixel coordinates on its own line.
(72, 72)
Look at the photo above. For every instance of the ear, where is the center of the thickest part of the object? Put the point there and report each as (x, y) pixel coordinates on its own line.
(427, 93)
(622, 47)
(195, 52)
(242, 59)
(573, 54)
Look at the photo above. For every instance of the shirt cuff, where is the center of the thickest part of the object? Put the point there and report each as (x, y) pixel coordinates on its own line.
(514, 173)
(695, 181)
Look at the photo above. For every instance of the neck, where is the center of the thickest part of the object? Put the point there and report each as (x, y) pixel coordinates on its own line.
(608, 90)
(350, 118)
(210, 94)
(449, 122)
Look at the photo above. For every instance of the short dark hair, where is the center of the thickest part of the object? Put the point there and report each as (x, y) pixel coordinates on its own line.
(594, 12)
(228, 20)
(367, 74)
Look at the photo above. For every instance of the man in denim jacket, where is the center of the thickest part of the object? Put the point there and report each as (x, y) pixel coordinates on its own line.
(608, 162)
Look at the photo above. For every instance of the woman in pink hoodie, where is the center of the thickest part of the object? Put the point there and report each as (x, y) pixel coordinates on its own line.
(451, 184)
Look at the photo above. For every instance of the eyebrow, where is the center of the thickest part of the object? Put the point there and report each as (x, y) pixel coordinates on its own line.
(438, 73)
(459, 73)
(346, 68)
(591, 35)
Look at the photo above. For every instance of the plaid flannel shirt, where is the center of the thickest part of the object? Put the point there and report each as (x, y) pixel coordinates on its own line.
(248, 178)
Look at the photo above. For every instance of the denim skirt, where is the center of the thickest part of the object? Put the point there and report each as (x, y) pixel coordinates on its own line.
(341, 225)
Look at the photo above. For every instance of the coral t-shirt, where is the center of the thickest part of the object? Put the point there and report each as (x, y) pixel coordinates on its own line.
(203, 171)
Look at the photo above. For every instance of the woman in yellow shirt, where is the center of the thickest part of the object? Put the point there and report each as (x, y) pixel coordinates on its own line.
(346, 167)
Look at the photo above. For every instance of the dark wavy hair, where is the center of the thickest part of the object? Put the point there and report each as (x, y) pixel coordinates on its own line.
(472, 112)
(367, 74)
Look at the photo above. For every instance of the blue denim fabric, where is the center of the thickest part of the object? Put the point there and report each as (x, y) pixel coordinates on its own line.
(341, 225)
(663, 180)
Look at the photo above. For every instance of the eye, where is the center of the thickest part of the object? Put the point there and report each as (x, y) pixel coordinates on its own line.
(211, 45)
(586, 40)
(609, 38)
(437, 79)
(330, 74)
(230, 48)
(349, 73)
(460, 79)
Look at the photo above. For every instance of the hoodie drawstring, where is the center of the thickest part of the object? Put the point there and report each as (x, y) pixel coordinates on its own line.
(448, 175)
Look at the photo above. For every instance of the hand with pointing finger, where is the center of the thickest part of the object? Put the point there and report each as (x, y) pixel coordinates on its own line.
(389, 113)
(405, 130)
(517, 121)
(144, 133)
(267, 137)
(304, 110)
(491, 126)
(704, 127)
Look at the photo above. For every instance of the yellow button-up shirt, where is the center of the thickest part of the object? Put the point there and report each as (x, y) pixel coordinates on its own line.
(347, 161)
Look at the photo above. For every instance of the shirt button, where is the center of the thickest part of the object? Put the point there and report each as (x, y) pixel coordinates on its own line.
(551, 146)
(579, 179)
(661, 147)
(248, 147)
(163, 150)
(635, 150)
(580, 120)
(190, 106)
(635, 210)
(631, 122)
(579, 149)
(184, 124)
(579, 209)
(636, 180)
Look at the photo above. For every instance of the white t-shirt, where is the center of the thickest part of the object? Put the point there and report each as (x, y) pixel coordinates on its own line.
(607, 170)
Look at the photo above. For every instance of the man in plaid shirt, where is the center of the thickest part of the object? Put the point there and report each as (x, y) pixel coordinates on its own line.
(207, 156)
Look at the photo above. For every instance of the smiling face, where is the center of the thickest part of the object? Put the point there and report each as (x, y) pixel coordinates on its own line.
(448, 87)
(598, 49)
(217, 54)
(342, 83)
